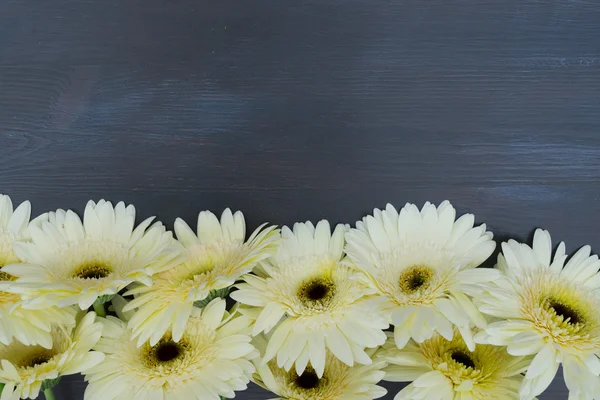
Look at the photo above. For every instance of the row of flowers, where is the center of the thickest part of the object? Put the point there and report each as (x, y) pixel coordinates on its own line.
(307, 312)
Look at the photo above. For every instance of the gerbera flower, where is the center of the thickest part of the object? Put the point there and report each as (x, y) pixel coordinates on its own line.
(551, 311)
(422, 264)
(70, 262)
(211, 359)
(27, 326)
(338, 382)
(217, 256)
(324, 305)
(447, 370)
(25, 368)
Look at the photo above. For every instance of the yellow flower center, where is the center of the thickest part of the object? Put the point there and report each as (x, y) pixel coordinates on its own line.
(41, 356)
(308, 386)
(25, 357)
(415, 278)
(5, 297)
(565, 313)
(206, 263)
(168, 362)
(6, 277)
(484, 366)
(32, 360)
(92, 271)
(316, 291)
(205, 258)
(200, 272)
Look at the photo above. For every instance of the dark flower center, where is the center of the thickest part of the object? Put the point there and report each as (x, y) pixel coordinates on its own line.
(415, 278)
(39, 357)
(416, 281)
(167, 351)
(93, 271)
(462, 358)
(165, 354)
(6, 277)
(316, 291)
(567, 313)
(308, 380)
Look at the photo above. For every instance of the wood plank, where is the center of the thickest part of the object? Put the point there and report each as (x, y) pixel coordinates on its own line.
(306, 109)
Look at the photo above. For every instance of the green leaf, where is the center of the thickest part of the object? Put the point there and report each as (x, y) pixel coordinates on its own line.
(222, 293)
(49, 383)
(105, 298)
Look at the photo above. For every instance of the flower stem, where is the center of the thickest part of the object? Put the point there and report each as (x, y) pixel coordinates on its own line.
(99, 308)
(49, 394)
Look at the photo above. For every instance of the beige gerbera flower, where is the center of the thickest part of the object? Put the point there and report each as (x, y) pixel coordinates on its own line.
(25, 368)
(444, 369)
(216, 258)
(338, 382)
(423, 266)
(320, 302)
(211, 359)
(549, 310)
(69, 262)
(27, 326)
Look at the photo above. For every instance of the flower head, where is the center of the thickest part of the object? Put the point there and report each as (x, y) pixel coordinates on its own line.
(25, 368)
(550, 310)
(323, 305)
(448, 370)
(27, 326)
(211, 359)
(338, 382)
(422, 265)
(70, 262)
(216, 258)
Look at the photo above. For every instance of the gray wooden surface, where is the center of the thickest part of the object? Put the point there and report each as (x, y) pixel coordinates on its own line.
(303, 109)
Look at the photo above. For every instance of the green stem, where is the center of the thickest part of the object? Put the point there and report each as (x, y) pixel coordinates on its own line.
(49, 394)
(99, 308)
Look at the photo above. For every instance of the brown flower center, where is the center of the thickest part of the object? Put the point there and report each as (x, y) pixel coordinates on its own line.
(92, 271)
(318, 290)
(308, 380)
(39, 357)
(568, 314)
(167, 351)
(164, 352)
(415, 278)
(6, 277)
(463, 358)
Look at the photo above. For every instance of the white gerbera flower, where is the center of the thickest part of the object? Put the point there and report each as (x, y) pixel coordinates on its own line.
(447, 370)
(422, 264)
(27, 326)
(551, 311)
(338, 382)
(25, 368)
(211, 359)
(217, 257)
(70, 262)
(324, 305)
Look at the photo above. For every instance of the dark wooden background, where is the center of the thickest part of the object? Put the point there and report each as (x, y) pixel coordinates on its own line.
(304, 109)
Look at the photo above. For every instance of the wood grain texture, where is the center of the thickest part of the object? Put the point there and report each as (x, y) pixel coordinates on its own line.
(302, 109)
